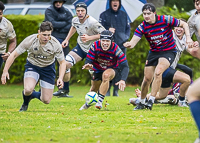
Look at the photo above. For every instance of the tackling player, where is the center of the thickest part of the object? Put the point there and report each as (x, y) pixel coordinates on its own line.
(105, 58)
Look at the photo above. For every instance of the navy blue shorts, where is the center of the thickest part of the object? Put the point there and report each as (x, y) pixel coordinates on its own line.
(152, 59)
(47, 73)
(167, 77)
(98, 76)
(1, 60)
(79, 51)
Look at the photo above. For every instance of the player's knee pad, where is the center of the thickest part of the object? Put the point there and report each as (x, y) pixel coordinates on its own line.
(69, 58)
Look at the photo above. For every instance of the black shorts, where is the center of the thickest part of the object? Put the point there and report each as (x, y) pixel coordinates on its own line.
(98, 76)
(167, 77)
(152, 59)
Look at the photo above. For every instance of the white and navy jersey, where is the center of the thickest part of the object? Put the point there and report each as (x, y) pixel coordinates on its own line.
(6, 32)
(90, 27)
(180, 47)
(38, 55)
(194, 25)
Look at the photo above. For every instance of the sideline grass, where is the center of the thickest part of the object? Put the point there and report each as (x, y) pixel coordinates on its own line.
(61, 120)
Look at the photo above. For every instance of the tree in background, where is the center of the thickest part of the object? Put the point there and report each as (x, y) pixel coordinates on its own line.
(182, 5)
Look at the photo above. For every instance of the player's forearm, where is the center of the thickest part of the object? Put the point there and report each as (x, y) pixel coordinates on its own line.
(12, 45)
(94, 37)
(62, 69)
(10, 61)
(134, 41)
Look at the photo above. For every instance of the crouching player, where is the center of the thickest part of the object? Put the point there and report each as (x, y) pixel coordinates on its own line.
(105, 58)
(42, 49)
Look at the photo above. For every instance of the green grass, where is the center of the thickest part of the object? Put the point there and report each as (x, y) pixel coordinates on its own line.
(61, 120)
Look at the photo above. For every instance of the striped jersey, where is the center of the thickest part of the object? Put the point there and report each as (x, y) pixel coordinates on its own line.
(159, 35)
(102, 60)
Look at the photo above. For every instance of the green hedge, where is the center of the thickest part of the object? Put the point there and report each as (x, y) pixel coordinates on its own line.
(26, 25)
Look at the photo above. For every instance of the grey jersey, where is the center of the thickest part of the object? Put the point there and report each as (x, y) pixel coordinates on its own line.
(194, 25)
(38, 55)
(180, 46)
(90, 27)
(7, 32)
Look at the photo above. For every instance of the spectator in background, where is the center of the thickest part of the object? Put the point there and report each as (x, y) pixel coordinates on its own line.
(61, 20)
(116, 21)
(7, 32)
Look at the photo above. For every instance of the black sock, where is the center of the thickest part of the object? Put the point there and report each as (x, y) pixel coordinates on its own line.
(26, 98)
(181, 98)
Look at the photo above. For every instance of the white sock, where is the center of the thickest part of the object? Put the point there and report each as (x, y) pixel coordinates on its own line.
(152, 98)
(142, 101)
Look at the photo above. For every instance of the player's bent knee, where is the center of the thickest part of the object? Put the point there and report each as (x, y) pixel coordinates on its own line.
(70, 61)
(27, 91)
(106, 77)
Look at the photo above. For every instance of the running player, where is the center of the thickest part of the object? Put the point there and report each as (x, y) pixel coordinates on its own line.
(88, 29)
(105, 58)
(158, 32)
(42, 50)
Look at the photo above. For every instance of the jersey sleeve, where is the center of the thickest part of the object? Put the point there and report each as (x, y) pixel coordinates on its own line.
(91, 54)
(139, 30)
(11, 32)
(59, 53)
(97, 27)
(174, 22)
(24, 45)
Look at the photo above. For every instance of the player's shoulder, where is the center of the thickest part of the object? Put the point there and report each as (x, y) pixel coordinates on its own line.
(5, 20)
(92, 20)
(75, 20)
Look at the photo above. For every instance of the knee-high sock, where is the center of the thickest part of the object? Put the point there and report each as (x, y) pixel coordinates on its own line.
(195, 110)
(36, 95)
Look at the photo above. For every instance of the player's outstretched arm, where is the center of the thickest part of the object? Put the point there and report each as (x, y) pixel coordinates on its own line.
(187, 33)
(86, 38)
(132, 43)
(70, 34)
(9, 62)
(62, 69)
(195, 50)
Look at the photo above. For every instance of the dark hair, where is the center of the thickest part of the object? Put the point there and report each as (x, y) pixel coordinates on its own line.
(81, 4)
(195, 1)
(46, 26)
(106, 34)
(2, 7)
(149, 6)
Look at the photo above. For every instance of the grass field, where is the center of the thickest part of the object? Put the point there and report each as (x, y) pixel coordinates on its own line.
(61, 120)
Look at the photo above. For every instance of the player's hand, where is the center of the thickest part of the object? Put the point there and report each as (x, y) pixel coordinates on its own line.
(127, 44)
(60, 83)
(4, 76)
(5, 56)
(112, 30)
(65, 43)
(121, 84)
(85, 38)
(87, 66)
(195, 44)
(189, 42)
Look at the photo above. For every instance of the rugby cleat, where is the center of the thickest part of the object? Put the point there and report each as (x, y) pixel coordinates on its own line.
(140, 106)
(84, 107)
(149, 104)
(98, 105)
(182, 104)
(60, 92)
(23, 108)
